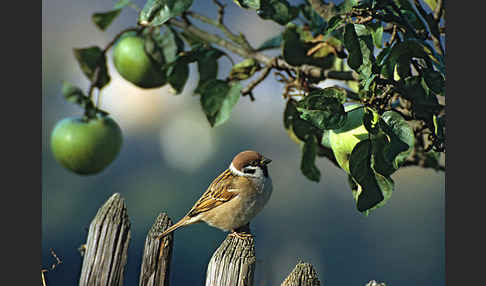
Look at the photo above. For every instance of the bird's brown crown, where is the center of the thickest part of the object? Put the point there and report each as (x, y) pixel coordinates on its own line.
(247, 158)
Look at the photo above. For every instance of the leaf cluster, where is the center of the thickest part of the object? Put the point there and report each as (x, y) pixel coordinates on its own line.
(388, 55)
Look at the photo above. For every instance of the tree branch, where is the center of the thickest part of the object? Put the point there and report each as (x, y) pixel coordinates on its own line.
(241, 40)
(248, 90)
(280, 64)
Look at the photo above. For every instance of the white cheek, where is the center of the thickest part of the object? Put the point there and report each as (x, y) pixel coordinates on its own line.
(258, 172)
(235, 171)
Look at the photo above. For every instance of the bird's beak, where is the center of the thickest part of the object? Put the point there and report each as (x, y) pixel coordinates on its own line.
(266, 161)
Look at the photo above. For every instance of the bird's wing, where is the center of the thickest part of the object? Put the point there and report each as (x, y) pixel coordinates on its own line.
(217, 193)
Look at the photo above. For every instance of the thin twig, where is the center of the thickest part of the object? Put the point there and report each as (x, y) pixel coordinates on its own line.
(249, 88)
(220, 11)
(53, 266)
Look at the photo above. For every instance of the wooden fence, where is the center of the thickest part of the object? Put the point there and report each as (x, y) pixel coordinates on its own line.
(105, 256)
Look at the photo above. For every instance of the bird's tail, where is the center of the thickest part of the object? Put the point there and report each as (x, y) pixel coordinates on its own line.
(183, 222)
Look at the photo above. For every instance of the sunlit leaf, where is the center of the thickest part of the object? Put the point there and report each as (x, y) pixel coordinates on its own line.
(370, 120)
(254, 4)
(376, 30)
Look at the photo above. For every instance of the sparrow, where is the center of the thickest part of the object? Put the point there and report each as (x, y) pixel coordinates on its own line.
(234, 198)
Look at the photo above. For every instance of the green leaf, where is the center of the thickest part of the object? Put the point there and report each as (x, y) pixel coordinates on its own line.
(178, 76)
(363, 174)
(381, 165)
(316, 22)
(290, 113)
(254, 4)
(335, 23)
(432, 159)
(90, 59)
(307, 165)
(244, 69)
(434, 81)
(351, 43)
(103, 19)
(376, 30)
(323, 108)
(207, 65)
(297, 126)
(172, 45)
(337, 92)
(218, 99)
(370, 120)
(372, 189)
(424, 103)
(408, 11)
(432, 4)
(271, 43)
(346, 6)
(294, 50)
(157, 12)
(401, 136)
(154, 49)
(73, 93)
(279, 11)
(439, 126)
(403, 52)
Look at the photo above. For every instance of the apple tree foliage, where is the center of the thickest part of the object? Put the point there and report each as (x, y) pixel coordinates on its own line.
(388, 111)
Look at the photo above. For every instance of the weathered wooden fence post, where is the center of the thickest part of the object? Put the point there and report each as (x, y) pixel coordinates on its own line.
(105, 256)
(303, 274)
(106, 246)
(233, 263)
(157, 254)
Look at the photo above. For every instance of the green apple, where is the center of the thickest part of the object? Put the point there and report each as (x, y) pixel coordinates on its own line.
(86, 146)
(343, 140)
(133, 64)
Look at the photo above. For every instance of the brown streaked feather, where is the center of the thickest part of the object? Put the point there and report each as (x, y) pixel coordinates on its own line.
(216, 194)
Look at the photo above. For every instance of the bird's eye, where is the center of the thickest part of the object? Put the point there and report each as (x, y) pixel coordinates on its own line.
(249, 171)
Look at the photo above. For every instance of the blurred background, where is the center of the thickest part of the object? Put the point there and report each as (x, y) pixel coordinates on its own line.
(170, 154)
